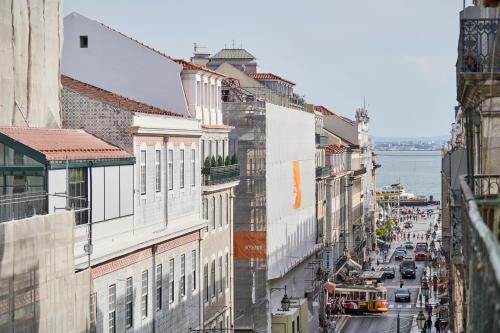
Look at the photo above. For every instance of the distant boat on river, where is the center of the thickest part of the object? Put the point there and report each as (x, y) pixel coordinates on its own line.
(395, 194)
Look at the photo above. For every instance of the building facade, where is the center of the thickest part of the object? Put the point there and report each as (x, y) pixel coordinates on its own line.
(220, 174)
(470, 181)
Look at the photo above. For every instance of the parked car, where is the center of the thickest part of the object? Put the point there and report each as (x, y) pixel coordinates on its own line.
(389, 272)
(399, 254)
(408, 225)
(402, 295)
(408, 269)
(409, 245)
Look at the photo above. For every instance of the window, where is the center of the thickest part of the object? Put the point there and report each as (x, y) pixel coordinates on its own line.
(158, 170)
(182, 280)
(202, 146)
(218, 97)
(170, 169)
(227, 208)
(93, 311)
(193, 267)
(143, 171)
(158, 287)
(214, 283)
(112, 308)
(216, 149)
(205, 283)
(171, 280)
(212, 96)
(205, 99)
(213, 212)
(144, 294)
(198, 93)
(220, 210)
(129, 313)
(77, 193)
(84, 42)
(221, 280)
(210, 148)
(181, 167)
(205, 209)
(193, 167)
(227, 270)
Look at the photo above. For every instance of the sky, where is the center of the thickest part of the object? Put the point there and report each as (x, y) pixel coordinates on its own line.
(399, 55)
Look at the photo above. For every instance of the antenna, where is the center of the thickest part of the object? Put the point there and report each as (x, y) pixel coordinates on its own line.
(364, 103)
(233, 43)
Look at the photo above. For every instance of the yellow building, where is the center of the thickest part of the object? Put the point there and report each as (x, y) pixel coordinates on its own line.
(292, 321)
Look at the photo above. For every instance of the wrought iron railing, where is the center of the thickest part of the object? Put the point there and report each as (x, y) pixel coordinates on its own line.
(476, 51)
(22, 205)
(221, 174)
(322, 171)
(477, 48)
(482, 256)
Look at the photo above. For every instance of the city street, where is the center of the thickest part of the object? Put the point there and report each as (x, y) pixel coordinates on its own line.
(386, 323)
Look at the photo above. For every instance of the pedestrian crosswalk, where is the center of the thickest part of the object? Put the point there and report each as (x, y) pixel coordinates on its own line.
(400, 306)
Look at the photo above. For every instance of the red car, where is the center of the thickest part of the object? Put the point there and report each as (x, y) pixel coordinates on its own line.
(421, 251)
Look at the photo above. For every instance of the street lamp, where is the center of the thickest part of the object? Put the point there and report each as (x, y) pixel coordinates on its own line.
(285, 303)
(421, 320)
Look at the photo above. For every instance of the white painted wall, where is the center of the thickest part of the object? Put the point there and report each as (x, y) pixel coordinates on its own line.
(291, 233)
(57, 184)
(116, 63)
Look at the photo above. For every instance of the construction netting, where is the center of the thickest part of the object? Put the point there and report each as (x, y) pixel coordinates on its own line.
(39, 289)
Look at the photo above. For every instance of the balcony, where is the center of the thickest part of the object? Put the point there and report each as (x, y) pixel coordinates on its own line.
(478, 57)
(481, 219)
(22, 205)
(221, 175)
(322, 172)
(321, 140)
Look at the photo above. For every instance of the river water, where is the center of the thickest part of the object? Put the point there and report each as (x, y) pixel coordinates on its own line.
(418, 170)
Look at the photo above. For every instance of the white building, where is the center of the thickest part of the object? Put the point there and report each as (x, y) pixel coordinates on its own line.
(146, 271)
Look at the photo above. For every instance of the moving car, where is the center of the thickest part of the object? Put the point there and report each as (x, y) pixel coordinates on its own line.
(402, 295)
(389, 272)
(409, 245)
(420, 251)
(408, 269)
(408, 225)
(399, 254)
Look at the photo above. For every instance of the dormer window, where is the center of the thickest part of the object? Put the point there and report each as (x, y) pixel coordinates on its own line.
(84, 42)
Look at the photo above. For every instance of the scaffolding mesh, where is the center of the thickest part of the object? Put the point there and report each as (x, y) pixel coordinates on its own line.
(39, 290)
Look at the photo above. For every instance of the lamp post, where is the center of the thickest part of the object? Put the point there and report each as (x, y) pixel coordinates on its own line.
(421, 321)
(285, 301)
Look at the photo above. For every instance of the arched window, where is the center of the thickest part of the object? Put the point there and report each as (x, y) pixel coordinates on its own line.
(227, 208)
(220, 210)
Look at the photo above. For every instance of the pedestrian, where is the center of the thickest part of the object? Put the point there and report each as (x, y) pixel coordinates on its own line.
(437, 325)
(332, 325)
(429, 324)
(325, 325)
(401, 282)
(342, 305)
(434, 283)
(378, 262)
(429, 309)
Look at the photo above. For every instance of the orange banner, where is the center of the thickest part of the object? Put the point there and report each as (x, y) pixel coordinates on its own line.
(297, 185)
(250, 244)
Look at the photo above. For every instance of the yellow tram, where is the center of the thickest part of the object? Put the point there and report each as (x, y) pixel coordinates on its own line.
(362, 298)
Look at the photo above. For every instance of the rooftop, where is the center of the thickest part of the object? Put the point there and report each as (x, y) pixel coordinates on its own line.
(59, 144)
(336, 149)
(112, 98)
(187, 65)
(323, 110)
(269, 76)
(233, 54)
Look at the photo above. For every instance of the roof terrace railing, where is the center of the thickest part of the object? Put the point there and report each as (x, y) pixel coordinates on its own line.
(22, 205)
(221, 174)
(481, 252)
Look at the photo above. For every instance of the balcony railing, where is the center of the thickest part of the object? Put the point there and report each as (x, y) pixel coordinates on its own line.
(221, 174)
(477, 48)
(321, 140)
(21, 205)
(481, 252)
(322, 172)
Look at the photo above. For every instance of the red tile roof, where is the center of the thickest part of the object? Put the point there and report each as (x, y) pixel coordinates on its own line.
(112, 98)
(268, 76)
(323, 110)
(336, 149)
(58, 144)
(192, 66)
